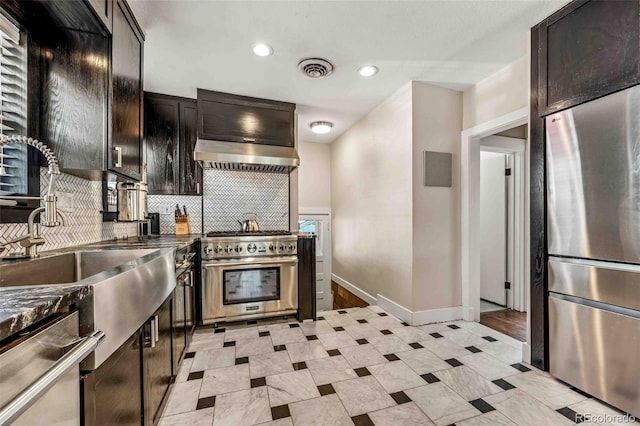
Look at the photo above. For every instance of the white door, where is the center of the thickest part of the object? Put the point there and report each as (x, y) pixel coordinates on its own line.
(318, 224)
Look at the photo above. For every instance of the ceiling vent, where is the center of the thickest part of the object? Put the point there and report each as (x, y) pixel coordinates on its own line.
(315, 67)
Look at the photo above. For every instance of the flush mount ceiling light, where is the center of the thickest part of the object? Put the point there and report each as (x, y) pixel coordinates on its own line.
(368, 70)
(321, 127)
(262, 49)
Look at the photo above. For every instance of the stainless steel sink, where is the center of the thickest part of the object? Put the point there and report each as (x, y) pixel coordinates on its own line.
(126, 287)
(65, 268)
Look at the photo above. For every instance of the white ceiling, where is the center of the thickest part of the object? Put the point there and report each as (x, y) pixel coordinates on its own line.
(194, 44)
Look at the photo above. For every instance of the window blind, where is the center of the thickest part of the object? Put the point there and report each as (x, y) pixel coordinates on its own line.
(13, 100)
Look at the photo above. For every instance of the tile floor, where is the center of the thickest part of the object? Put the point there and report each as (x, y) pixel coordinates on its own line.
(362, 366)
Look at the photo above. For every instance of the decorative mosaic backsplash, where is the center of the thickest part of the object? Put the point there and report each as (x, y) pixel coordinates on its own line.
(159, 204)
(228, 194)
(84, 220)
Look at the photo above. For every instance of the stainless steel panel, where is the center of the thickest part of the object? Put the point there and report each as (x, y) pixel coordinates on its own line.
(605, 282)
(593, 179)
(23, 364)
(213, 309)
(596, 351)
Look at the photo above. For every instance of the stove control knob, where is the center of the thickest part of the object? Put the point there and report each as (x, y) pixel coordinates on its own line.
(238, 248)
(251, 248)
(272, 247)
(281, 247)
(207, 249)
(291, 247)
(216, 249)
(229, 249)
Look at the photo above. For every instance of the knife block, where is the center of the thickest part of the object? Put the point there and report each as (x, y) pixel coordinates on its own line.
(183, 226)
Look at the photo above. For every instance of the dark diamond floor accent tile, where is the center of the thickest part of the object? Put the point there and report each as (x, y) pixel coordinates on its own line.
(453, 326)
(195, 375)
(362, 341)
(362, 321)
(294, 325)
(189, 355)
(207, 402)
(264, 334)
(243, 360)
(342, 312)
(405, 324)
(490, 339)
(581, 392)
(430, 378)
(299, 365)
(436, 335)
(312, 337)
(280, 412)
(520, 367)
(219, 330)
(570, 414)
(482, 405)
(453, 362)
(229, 343)
(473, 349)
(361, 372)
(320, 319)
(416, 345)
(252, 322)
(278, 348)
(362, 420)
(503, 384)
(333, 352)
(400, 397)
(392, 357)
(326, 390)
(338, 328)
(382, 314)
(257, 382)
(386, 332)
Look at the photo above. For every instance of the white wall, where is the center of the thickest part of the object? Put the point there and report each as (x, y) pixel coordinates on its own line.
(501, 93)
(371, 200)
(492, 227)
(314, 175)
(437, 122)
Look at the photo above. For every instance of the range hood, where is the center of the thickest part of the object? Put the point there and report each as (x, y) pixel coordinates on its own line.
(245, 156)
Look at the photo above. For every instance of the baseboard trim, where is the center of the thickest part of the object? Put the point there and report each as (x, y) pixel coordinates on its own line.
(395, 309)
(355, 290)
(420, 317)
(526, 352)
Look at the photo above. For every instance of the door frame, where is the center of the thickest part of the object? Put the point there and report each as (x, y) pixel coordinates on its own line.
(470, 214)
(322, 211)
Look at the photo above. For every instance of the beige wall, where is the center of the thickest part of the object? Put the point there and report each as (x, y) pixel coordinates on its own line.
(501, 93)
(371, 200)
(437, 123)
(314, 175)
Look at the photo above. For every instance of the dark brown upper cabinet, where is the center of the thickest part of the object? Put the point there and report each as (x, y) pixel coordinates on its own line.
(233, 118)
(104, 11)
(169, 140)
(587, 49)
(127, 94)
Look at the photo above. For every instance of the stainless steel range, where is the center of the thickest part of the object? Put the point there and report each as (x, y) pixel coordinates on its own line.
(248, 275)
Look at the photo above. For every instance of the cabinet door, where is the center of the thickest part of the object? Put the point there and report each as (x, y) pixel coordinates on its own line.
(190, 171)
(588, 50)
(104, 11)
(161, 142)
(127, 55)
(158, 361)
(113, 392)
(179, 322)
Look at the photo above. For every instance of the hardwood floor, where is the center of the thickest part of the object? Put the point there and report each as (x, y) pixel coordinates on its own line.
(507, 321)
(343, 298)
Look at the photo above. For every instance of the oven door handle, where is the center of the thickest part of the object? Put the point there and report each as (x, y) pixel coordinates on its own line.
(252, 261)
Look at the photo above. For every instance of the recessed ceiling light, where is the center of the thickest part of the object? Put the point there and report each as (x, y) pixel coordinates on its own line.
(368, 70)
(262, 49)
(321, 127)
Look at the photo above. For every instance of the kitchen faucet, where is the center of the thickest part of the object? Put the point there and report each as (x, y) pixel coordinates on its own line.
(32, 240)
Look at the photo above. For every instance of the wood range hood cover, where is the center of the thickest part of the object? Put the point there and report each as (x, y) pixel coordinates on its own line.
(212, 154)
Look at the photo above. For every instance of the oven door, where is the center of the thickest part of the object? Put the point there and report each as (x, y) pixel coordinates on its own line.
(249, 288)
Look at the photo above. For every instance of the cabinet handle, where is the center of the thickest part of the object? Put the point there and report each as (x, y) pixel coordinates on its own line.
(198, 187)
(118, 150)
(249, 140)
(152, 324)
(157, 328)
(191, 278)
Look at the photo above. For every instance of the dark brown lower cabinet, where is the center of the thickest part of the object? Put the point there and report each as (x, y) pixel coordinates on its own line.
(306, 277)
(112, 394)
(157, 360)
(179, 321)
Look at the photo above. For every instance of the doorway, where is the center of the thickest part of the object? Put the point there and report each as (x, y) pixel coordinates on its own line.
(318, 222)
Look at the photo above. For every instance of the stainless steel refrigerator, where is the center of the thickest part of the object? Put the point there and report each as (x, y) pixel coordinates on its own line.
(593, 220)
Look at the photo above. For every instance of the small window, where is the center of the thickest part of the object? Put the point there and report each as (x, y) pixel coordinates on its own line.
(13, 101)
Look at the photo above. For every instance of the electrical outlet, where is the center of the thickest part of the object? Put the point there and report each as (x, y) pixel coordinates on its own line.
(65, 201)
(166, 209)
